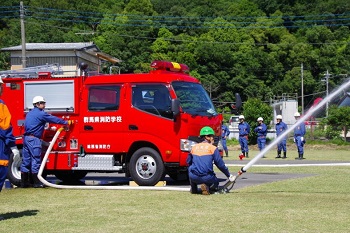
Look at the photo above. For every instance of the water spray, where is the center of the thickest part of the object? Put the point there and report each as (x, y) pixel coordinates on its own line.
(312, 110)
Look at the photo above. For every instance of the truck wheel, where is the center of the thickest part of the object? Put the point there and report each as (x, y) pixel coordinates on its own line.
(68, 176)
(146, 167)
(14, 170)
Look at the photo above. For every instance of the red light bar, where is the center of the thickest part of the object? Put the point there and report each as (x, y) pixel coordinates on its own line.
(170, 66)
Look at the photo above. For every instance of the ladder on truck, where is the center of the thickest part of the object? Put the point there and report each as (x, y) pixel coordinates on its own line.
(33, 72)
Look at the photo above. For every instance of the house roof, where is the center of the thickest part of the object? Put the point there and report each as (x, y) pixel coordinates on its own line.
(52, 46)
(88, 47)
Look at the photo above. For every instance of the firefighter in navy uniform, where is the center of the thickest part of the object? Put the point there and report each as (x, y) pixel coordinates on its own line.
(299, 133)
(34, 127)
(243, 131)
(282, 145)
(225, 132)
(200, 161)
(7, 140)
(261, 131)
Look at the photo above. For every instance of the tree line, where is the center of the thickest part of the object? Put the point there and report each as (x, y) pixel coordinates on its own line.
(253, 47)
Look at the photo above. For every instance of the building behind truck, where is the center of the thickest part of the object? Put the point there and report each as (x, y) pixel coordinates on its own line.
(143, 125)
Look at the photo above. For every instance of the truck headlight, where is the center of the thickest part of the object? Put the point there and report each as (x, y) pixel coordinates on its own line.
(186, 145)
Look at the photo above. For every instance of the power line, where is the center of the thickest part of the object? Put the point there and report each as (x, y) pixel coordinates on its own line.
(192, 22)
(193, 17)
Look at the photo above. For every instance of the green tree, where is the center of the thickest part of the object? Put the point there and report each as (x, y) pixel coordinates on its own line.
(339, 119)
(252, 109)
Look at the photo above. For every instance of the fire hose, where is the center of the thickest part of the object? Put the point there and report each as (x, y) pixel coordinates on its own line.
(46, 183)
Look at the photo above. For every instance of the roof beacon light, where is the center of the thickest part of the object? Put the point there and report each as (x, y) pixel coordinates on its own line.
(170, 66)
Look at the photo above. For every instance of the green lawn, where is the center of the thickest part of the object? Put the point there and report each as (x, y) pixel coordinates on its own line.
(319, 203)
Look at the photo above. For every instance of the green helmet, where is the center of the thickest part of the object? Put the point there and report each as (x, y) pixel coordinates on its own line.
(206, 130)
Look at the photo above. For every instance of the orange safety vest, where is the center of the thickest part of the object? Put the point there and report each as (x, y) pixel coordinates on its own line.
(5, 123)
(5, 117)
(4, 163)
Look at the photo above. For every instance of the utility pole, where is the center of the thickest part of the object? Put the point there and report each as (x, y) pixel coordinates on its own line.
(302, 89)
(23, 37)
(326, 79)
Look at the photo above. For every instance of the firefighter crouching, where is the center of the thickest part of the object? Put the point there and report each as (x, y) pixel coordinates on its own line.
(34, 127)
(200, 161)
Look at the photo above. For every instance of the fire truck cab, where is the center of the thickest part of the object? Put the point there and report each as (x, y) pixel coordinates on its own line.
(143, 125)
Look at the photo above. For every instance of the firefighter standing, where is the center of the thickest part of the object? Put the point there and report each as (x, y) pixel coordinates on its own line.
(261, 131)
(34, 127)
(7, 140)
(200, 161)
(225, 132)
(299, 133)
(243, 131)
(282, 145)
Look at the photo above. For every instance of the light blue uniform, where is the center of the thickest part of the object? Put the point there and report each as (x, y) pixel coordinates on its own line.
(243, 131)
(225, 132)
(261, 131)
(280, 128)
(299, 133)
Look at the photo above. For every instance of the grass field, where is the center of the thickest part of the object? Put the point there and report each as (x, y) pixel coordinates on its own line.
(318, 203)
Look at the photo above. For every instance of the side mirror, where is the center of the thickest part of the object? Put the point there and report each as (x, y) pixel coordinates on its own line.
(238, 101)
(175, 107)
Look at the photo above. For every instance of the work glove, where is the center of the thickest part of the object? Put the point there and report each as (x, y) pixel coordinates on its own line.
(67, 126)
(232, 178)
(15, 152)
(302, 139)
(44, 143)
(293, 139)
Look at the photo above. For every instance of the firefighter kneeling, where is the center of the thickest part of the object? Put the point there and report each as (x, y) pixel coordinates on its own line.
(200, 161)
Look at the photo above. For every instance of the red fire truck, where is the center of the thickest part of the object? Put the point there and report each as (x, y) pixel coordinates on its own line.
(142, 125)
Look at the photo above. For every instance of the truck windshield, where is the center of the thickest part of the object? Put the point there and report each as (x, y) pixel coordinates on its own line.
(194, 99)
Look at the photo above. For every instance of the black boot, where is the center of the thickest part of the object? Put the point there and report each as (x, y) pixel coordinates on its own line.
(246, 154)
(284, 155)
(37, 183)
(25, 180)
(278, 154)
(194, 188)
(301, 156)
(226, 152)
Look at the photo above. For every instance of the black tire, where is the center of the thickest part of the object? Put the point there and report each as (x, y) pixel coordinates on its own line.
(14, 170)
(69, 176)
(146, 167)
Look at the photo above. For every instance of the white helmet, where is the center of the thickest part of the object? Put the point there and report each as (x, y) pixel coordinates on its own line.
(279, 117)
(241, 117)
(38, 99)
(297, 114)
(260, 119)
